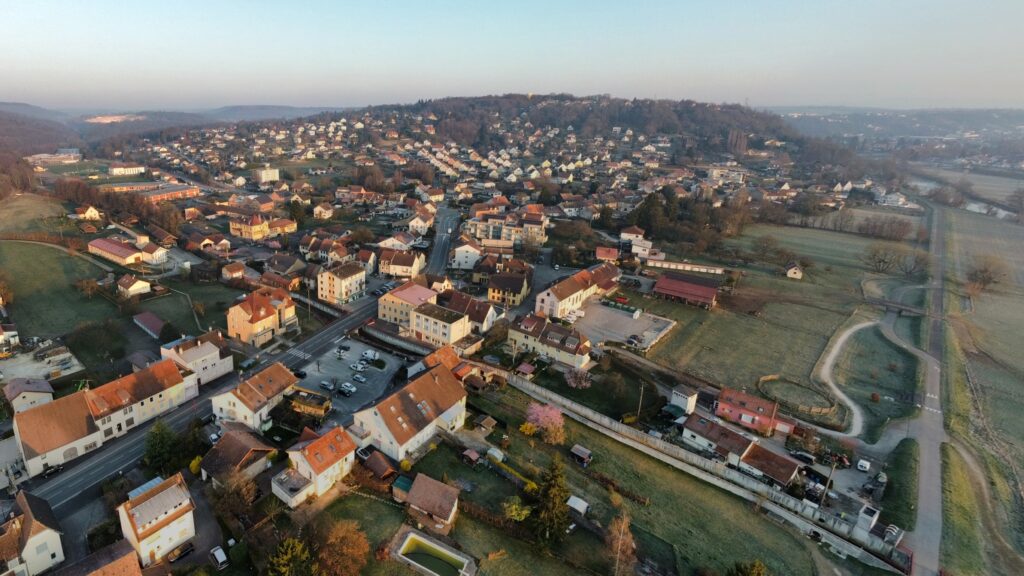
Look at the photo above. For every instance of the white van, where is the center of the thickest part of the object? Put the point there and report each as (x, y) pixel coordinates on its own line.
(371, 354)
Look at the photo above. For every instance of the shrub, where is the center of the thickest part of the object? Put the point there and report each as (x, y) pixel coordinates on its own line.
(239, 554)
(405, 465)
(195, 466)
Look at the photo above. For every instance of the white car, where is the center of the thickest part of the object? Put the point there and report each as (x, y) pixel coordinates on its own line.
(863, 465)
(359, 378)
(357, 367)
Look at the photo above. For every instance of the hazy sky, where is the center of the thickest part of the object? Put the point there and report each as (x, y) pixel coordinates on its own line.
(188, 54)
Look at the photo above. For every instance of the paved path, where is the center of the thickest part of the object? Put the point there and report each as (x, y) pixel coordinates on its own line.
(825, 375)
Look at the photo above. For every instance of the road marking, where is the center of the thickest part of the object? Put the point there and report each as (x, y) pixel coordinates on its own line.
(299, 353)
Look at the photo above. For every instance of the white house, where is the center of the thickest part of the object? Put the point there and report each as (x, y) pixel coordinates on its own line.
(404, 422)
(323, 211)
(252, 400)
(25, 393)
(421, 223)
(30, 540)
(465, 254)
(129, 286)
(318, 463)
(208, 356)
(158, 516)
(631, 234)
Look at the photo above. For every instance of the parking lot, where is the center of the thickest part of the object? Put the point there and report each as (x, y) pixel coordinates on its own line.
(336, 369)
(606, 324)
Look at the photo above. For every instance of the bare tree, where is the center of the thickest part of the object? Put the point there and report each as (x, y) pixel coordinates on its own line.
(765, 247)
(578, 379)
(913, 262)
(620, 545)
(985, 271)
(879, 257)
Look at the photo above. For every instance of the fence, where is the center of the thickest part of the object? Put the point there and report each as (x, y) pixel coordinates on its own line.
(835, 531)
(684, 266)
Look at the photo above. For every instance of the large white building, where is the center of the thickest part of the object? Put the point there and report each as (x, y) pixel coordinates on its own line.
(57, 432)
(572, 293)
(319, 461)
(341, 283)
(404, 422)
(252, 400)
(265, 175)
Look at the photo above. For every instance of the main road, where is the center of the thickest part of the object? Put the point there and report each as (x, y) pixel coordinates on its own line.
(446, 223)
(80, 480)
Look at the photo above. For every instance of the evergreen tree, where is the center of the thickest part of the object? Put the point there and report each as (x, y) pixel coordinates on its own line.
(161, 448)
(552, 515)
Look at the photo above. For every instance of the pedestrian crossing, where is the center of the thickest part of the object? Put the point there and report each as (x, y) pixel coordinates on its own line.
(300, 354)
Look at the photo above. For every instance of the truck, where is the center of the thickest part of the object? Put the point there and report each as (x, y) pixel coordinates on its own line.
(371, 355)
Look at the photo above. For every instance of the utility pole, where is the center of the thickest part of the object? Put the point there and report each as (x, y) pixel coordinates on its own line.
(618, 547)
(828, 483)
(641, 404)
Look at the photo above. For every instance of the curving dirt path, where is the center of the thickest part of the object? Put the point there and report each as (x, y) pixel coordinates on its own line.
(825, 375)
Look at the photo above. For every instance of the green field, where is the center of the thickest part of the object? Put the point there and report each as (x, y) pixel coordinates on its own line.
(988, 343)
(216, 298)
(83, 168)
(33, 213)
(962, 548)
(45, 300)
(771, 324)
(701, 525)
(869, 364)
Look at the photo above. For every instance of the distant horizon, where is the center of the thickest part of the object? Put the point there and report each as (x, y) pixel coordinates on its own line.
(778, 109)
(912, 55)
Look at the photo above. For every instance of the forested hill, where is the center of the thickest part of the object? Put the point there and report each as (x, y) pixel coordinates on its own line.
(29, 135)
(470, 120)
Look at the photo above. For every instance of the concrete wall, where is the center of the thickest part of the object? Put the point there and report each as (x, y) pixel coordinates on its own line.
(836, 532)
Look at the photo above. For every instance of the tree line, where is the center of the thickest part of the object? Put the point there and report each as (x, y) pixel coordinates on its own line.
(165, 216)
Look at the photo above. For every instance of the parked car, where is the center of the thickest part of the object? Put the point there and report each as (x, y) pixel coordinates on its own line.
(219, 559)
(180, 552)
(52, 470)
(214, 437)
(329, 386)
(357, 367)
(805, 457)
(359, 378)
(347, 388)
(364, 453)
(300, 374)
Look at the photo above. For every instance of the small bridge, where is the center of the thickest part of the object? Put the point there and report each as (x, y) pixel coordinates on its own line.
(898, 307)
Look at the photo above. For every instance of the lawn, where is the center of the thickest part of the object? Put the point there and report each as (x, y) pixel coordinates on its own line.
(869, 364)
(45, 300)
(708, 527)
(996, 188)
(215, 298)
(986, 341)
(770, 324)
(379, 521)
(83, 168)
(613, 397)
(899, 503)
(962, 549)
(34, 213)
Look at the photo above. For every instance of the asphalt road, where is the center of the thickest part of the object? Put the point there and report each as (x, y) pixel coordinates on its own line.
(446, 219)
(929, 427)
(81, 479)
